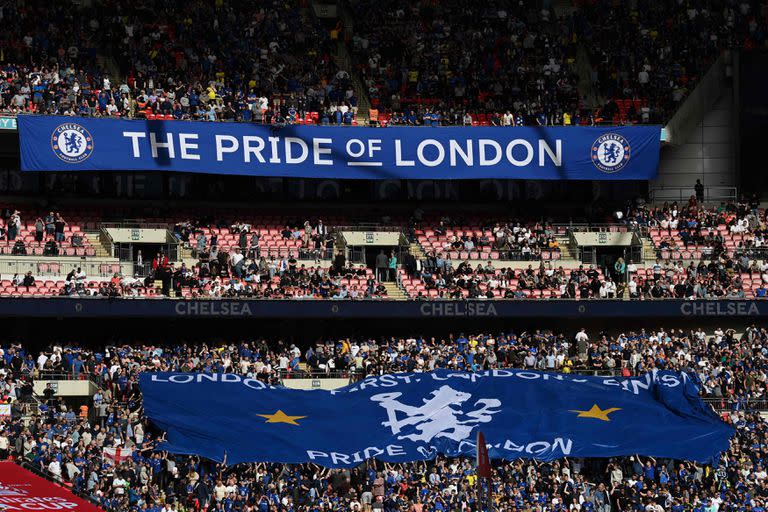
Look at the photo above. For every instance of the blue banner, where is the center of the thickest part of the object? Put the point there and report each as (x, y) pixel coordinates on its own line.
(415, 416)
(362, 310)
(535, 153)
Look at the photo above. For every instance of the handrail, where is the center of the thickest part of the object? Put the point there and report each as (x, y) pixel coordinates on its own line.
(61, 375)
(733, 403)
(256, 120)
(368, 226)
(94, 379)
(136, 224)
(711, 193)
(50, 266)
(316, 374)
(595, 227)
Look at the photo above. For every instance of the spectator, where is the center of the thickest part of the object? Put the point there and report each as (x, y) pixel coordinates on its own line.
(29, 280)
(39, 229)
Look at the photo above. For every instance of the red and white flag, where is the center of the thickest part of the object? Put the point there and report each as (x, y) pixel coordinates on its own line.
(116, 455)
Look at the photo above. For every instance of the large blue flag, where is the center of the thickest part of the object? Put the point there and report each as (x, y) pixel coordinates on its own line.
(415, 416)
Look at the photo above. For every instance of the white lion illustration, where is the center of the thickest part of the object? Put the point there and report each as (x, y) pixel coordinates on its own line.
(440, 416)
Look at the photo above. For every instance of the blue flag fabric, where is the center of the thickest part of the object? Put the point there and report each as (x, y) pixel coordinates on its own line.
(415, 416)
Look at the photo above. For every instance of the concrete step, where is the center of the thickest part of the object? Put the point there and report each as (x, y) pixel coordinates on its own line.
(94, 236)
(394, 291)
(565, 248)
(417, 251)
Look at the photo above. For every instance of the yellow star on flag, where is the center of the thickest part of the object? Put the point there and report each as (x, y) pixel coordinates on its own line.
(597, 413)
(281, 417)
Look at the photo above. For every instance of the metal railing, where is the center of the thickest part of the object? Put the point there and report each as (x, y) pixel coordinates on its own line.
(257, 118)
(368, 226)
(319, 374)
(737, 404)
(594, 228)
(711, 194)
(136, 224)
(56, 267)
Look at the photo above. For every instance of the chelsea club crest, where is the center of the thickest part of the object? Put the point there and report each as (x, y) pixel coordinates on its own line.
(610, 152)
(72, 143)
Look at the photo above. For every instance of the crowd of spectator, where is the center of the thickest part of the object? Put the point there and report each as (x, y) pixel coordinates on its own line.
(192, 64)
(517, 62)
(723, 277)
(249, 267)
(49, 234)
(67, 440)
(438, 278)
(498, 63)
(233, 274)
(451, 237)
(658, 51)
(453, 57)
(711, 231)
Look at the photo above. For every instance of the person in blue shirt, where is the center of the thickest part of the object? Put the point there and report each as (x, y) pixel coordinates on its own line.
(347, 117)
(103, 101)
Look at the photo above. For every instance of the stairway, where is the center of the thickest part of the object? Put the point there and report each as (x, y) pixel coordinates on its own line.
(185, 256)
(344, 61)
(108, 64)
(564, 243)
(584, 83)
(394, 291)
(649, 251)
(94, 236)
(416, 250)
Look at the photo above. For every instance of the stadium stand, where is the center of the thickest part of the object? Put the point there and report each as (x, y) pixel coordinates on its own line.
(378, 63)
(447, 64)
(103, 451)
(485, 239)
(233, 254)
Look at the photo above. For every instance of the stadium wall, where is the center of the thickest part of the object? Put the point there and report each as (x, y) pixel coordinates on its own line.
(708, 153)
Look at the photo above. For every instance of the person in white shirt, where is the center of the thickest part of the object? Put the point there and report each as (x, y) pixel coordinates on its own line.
(118, 485)
(54, 467)
(111, 108)
(632, 287)
(5, 444)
